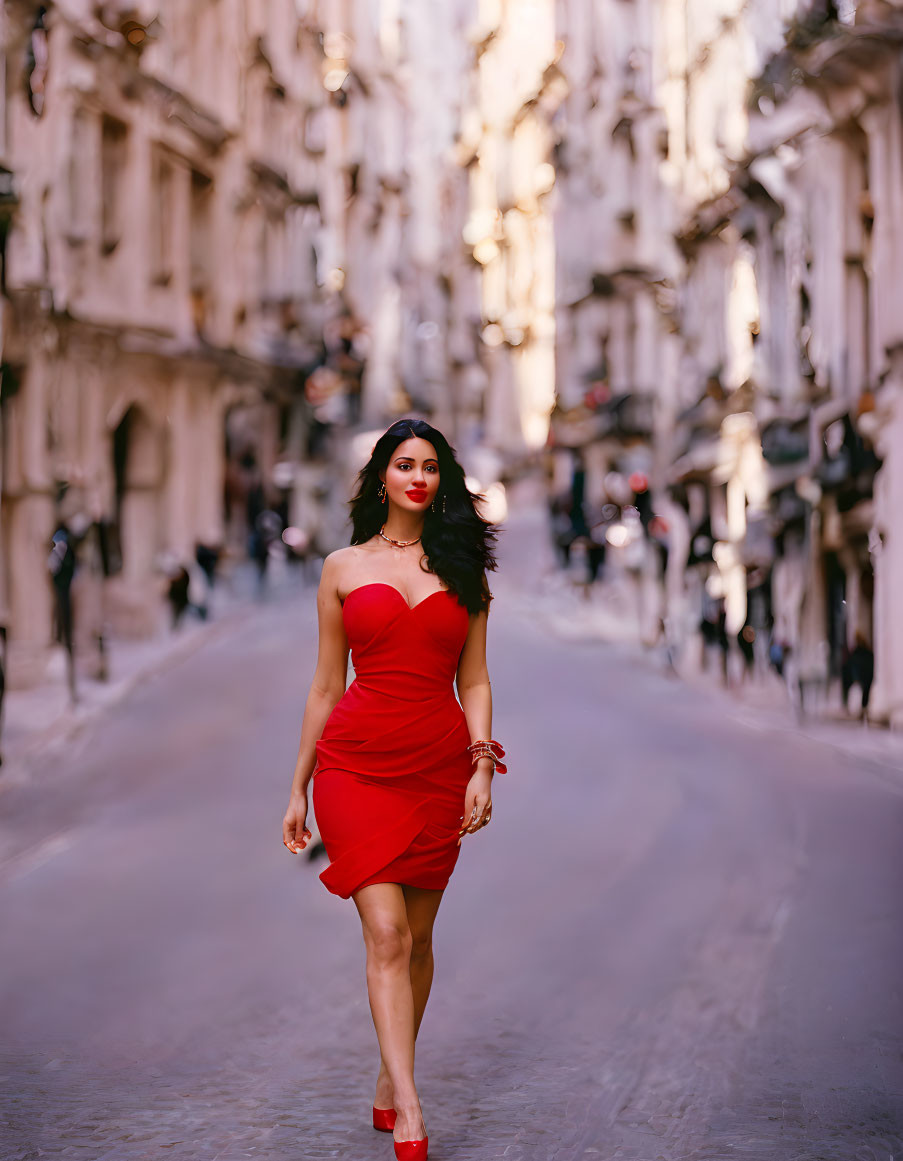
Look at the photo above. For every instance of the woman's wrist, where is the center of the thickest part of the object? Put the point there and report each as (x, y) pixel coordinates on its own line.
(484, 766)
(486, 753)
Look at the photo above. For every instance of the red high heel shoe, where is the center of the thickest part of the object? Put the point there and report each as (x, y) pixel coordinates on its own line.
(384, 1119)
(412, 1150)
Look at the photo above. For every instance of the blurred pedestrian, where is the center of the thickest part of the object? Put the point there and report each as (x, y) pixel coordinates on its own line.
(266, 532)
(790, 673)
(746, 641)
(177, 593)
(198, 590)
(713, 628)
(563, 535)
(858, 668)
(207, 556)
(61, 564)
(776, 656)
(595, 549)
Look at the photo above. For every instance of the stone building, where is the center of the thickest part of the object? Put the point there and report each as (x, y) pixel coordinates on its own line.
(162, 290)
(762, 399)
(617, 265)
(394, 204)
(712, 450)
(437, 235)
(506, 146)
(245, 241)
(793, 437)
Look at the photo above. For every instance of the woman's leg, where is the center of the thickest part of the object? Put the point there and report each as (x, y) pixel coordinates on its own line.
(388, 940)
(421, 907)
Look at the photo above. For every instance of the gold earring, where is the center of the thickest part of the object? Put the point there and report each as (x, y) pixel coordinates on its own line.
(382, 493)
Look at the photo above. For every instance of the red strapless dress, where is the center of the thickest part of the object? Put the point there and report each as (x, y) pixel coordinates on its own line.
(392, 761)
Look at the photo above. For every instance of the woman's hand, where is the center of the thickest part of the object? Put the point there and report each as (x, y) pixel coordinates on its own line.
(477, 800)
(295, 834)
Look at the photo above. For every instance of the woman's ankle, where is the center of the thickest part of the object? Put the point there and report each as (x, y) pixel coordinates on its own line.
(409, 1123)
(385, 1090)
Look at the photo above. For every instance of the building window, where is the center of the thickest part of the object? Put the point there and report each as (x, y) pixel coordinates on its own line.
(201, 229)
(36, 57)
(274, 128)
(79, 176)
(274, 258)
(201, 248)
(113, 157)
(163, 178)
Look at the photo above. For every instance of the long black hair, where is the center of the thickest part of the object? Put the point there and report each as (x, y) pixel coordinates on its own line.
(457, 542)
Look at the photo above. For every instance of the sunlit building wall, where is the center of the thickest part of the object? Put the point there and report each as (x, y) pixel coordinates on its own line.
(395, 208)
(789, 188)
(828, 149)
(162, 287)
(617, 265)
(709, 52)
(506, 143)
(395, 200)
(245, 234)
(727, 208)
(441, 292)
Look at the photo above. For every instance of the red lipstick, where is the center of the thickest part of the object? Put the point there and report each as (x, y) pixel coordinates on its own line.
(418, 495)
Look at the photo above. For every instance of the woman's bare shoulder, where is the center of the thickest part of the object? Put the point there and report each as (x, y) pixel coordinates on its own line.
(335, 562)
(340, 565)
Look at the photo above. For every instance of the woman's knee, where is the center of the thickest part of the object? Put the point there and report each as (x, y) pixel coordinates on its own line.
(388, 942)
(421, 944)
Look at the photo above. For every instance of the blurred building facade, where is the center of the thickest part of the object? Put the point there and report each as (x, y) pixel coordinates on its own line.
(161, 289)
(394, 202)
(505, 146)
(794, 432)
(764, 395)
(617, 269)
(241, 236)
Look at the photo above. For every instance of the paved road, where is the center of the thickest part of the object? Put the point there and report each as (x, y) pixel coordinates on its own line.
(680, 938)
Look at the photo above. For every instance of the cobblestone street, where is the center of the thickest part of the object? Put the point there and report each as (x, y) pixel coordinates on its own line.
(678, 939)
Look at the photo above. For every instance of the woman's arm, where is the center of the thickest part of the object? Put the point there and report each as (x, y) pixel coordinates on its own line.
(329, 678)
(475, 695)
(474, 690)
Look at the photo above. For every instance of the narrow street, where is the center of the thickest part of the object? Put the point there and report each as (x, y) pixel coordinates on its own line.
(679, 938)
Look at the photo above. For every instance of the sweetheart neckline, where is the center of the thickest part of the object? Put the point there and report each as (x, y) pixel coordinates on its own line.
(386, 585)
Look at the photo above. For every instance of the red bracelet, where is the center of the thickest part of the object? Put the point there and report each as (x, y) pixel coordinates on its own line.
(488, 749)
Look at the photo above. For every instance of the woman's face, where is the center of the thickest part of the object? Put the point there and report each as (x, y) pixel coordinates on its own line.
(412, 475)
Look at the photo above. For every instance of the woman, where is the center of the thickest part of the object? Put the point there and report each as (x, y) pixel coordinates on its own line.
(402, 770)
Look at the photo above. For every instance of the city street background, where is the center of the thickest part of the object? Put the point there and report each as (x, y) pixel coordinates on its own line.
(679, 938)
(639, 263)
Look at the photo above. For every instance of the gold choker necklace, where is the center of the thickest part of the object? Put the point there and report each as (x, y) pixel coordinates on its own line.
(399, 543)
